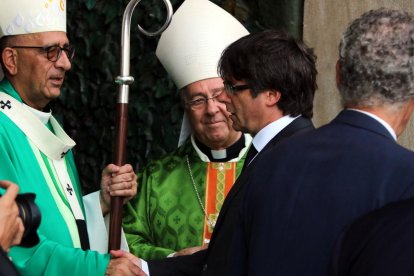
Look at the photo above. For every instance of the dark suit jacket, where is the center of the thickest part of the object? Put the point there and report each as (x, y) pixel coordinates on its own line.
(304, 192)
(379, 244)
(215, 259)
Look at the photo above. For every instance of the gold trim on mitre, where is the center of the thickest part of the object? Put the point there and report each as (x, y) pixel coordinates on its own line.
(32, 16)
(190, 48)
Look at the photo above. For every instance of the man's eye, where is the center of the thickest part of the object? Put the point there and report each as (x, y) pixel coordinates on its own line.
(197, 101)
(52, 50)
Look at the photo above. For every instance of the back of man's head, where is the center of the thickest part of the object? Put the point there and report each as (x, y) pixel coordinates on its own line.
(376, 59)
(274, 60)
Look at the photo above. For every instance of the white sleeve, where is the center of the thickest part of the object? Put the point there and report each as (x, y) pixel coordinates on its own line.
(98, 226)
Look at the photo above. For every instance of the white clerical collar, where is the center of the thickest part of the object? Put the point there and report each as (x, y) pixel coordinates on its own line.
(379, 120)
(205, 158)
(219, 154)
(43, 116)
(267, 133)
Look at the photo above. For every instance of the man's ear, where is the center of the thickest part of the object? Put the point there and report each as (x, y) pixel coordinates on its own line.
(9, 57)
(273, 97)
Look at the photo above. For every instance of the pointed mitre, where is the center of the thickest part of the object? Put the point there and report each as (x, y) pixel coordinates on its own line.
(32, 16)
(190, 48)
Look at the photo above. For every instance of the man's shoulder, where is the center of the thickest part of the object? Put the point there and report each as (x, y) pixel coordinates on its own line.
(6, 124)
(169, 159)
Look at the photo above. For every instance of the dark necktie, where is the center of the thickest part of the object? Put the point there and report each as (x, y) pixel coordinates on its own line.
(249, 156)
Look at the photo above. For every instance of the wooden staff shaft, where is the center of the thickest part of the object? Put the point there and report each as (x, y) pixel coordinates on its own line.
(121, 131)
(122, 112)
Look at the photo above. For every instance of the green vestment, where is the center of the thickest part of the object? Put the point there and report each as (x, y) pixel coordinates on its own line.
(167, 216)
(58, 251)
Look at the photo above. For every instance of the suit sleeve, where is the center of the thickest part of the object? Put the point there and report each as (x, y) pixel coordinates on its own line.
(190, 265)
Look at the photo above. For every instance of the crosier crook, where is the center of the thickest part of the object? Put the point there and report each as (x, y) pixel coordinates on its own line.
(121, 120)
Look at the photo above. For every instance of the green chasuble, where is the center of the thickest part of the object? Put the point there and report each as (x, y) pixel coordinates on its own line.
(58, 252)
(169, 213)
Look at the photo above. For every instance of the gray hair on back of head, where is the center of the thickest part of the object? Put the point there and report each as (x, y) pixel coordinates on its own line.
(376, 59)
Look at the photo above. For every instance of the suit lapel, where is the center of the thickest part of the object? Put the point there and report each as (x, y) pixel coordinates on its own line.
(297, 126)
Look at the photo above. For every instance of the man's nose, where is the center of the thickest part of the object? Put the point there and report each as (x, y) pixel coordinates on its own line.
(212, 104)
(64, 62)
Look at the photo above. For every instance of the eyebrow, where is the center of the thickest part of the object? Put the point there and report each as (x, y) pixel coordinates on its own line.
(58, 44)
(218, 89)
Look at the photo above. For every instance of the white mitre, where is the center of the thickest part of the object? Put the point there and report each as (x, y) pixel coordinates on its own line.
(32, 16)
(191, 47)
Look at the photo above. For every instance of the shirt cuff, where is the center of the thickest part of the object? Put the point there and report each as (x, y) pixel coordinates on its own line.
(144, 267)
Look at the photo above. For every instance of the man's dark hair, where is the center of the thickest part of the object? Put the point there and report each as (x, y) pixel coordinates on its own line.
(274, 60)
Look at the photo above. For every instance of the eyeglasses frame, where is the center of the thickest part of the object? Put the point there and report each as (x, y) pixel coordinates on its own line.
(233, 89)
(68, 49)
(204, 100)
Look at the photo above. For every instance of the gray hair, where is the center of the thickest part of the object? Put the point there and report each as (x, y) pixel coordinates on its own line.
(376, 59)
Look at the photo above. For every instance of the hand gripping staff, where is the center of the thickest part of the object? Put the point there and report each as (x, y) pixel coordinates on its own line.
(124, 80)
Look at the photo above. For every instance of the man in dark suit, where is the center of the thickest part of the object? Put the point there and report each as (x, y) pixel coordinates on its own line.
(270, 81)
(301, 194)
(380, 243)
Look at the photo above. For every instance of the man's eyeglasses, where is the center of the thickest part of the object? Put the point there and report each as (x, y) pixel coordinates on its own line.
(53, 52)
(233, 89)
(201, 102)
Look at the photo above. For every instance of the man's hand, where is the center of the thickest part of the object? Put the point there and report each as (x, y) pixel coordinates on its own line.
(117, 181)
(11, 225)
(190, 250)
(124, 263)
